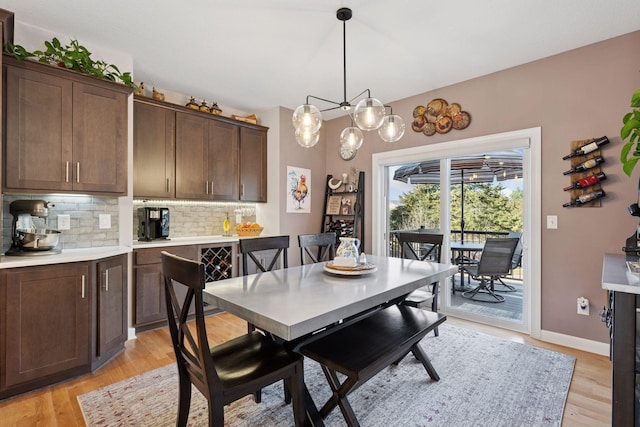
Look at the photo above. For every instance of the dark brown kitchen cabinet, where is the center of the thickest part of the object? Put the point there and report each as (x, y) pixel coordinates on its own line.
(153, 150)
(111, 308)
(206, 158)
(192, 157)
(150, 305)
(46, 324)
(253, 165)
(64, 131)
(149, 299)
(223, 160)
(186, 154)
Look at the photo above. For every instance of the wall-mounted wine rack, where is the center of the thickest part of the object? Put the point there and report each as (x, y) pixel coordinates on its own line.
(585, 187)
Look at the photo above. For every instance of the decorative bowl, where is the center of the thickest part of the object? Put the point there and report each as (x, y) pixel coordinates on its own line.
(249, 232)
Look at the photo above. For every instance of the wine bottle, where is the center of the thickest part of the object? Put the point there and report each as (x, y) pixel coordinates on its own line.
(585, 198)
(587, 164)
(587, 148)
(587, 181)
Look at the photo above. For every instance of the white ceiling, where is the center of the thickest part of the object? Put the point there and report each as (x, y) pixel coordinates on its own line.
(255, 55)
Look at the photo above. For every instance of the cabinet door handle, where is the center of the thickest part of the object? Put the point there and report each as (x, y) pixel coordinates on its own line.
(83, 286)
(241, 190)
(168, 186)
(206, 187)
(106, 280)
(78, 172)
(66, 172)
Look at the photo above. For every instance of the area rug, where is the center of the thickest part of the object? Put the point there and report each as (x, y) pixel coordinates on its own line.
(485, 381)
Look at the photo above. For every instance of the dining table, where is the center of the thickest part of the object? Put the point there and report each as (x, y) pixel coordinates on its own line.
(463, 253)
(298, 303)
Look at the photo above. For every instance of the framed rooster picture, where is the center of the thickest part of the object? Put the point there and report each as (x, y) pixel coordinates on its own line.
(298, 190)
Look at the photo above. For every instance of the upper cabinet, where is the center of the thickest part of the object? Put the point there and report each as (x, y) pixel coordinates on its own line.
(253, 165)
(216, 158)
(153, 151)
(64, 131)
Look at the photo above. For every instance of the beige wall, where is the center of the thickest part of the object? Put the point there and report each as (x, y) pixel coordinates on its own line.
(292, 154)
(576, 95)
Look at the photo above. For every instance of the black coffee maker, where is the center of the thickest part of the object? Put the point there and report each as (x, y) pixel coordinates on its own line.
(153, 223)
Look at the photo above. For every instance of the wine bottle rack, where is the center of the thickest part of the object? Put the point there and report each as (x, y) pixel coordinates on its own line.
(344, 211)
(575, 193)
(218, 262)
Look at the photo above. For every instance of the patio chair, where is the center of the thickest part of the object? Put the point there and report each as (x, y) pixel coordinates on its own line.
(495, 262)
(422, 247)
(516, 261)
(323, 243)
(229, 371)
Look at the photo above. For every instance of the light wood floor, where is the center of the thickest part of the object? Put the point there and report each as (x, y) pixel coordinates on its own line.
(588, 402)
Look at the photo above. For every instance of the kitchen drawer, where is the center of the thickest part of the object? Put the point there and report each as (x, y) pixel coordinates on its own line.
(152, 255)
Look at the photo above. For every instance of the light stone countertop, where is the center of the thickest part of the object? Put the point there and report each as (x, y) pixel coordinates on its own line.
(616, 275)
(179, 241)
(67, 255)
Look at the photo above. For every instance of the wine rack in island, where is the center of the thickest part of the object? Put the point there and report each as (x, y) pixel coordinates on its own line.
(586, 173)
(344, 208)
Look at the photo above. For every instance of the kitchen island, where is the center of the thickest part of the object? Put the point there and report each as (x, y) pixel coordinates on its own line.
(623, 288)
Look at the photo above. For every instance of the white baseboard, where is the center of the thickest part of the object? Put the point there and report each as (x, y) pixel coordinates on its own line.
(596, 347)
(131, 334)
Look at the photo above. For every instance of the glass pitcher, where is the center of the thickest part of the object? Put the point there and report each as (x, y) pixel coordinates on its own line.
(348, 247)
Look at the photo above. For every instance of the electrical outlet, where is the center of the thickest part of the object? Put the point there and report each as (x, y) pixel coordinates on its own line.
(104, 221)
(583, 306)
(64, 222)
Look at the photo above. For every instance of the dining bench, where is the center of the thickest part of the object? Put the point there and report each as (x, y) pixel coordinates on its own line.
(362, 349)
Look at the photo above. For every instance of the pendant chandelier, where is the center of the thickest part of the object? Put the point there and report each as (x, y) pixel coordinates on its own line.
(369, 113)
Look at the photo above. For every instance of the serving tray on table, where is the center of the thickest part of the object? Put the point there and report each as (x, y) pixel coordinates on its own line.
(358, 270)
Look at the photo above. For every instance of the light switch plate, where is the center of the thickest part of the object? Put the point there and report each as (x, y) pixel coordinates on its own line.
(64, 222)
(104, 221)
(552, 222)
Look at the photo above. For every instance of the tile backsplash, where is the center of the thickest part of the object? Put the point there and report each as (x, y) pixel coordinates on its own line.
(191, 219)
(188, 219)
(84, 212)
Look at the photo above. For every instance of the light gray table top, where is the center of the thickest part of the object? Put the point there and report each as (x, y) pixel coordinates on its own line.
(293, 302)
(616, 275)
(466, 246)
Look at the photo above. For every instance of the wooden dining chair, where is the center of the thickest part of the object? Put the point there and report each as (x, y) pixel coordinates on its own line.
(422, 247)
(256, 252)
(495, 261)
(317, 247)
(229, 371)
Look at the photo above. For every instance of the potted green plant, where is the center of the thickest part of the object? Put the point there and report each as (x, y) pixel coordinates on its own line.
(73, 56)
(630, 153)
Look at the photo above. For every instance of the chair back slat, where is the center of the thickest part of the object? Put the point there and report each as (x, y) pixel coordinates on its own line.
(249, 248)
(323, 243)
(421, 246)
(497, 255)
(192, 351)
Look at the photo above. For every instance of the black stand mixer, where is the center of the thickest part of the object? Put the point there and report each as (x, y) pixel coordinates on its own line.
(28, 239)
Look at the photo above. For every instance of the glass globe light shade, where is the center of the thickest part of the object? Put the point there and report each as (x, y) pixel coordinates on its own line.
(351, 138)
(369, 114)
(392, 128)
(307, 138)
(308, 117)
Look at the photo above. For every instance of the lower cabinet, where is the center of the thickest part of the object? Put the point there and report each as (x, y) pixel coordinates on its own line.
(46, 322)
(60, 321)
(149, 296)
(111, 308)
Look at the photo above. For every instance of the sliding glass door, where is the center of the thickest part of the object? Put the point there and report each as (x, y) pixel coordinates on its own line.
(469, 196)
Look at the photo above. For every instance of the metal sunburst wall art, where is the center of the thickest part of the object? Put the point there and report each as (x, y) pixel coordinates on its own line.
(439, 117)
